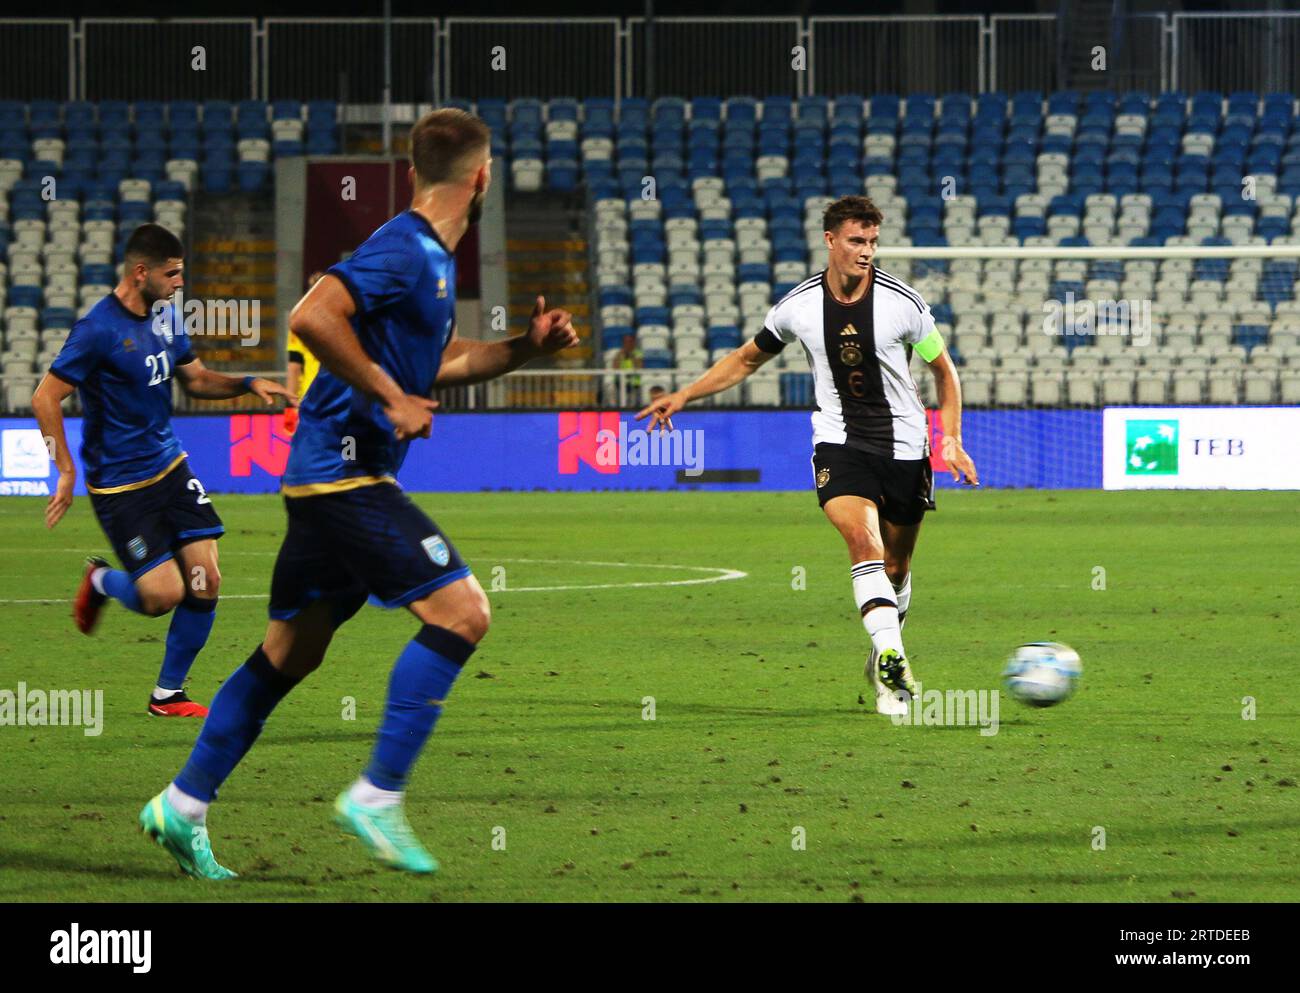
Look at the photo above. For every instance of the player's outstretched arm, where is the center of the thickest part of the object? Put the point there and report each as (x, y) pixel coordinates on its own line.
(466, 362)
(949, 388)
(322, 322)
(729, 370)
(47, 405)
(198, 380)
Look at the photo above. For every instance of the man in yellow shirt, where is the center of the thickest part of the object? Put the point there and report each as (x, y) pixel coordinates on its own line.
(301, 370)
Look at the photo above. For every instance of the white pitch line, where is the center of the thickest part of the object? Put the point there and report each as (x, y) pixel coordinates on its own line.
(721, 576)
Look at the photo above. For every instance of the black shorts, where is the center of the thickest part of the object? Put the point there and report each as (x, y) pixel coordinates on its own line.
(902, 489)
(369, 542)
(147, 525)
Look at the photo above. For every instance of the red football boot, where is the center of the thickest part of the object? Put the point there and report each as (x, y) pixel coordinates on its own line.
(88, 603)
(176, 705)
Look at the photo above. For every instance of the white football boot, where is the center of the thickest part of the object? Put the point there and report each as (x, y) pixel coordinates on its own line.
(887, 702)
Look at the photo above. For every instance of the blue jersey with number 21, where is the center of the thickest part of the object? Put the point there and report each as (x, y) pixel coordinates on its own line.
(123, 365)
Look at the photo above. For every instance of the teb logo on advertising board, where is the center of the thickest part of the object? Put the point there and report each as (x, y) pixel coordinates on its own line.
(1151, 448)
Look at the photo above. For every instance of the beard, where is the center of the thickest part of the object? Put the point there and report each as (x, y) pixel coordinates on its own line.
(150, 297)
(475, 209)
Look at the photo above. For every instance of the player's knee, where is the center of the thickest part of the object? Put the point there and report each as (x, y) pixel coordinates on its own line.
(205, 582)
(861, 546)
(157, 602)
(476, 617)
(897, 569)
(301, 663)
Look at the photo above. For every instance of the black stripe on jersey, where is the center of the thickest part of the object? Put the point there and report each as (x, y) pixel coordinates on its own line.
(891, 283)
(855, 372)
(807, 284)
(890, 277)
(802, 283)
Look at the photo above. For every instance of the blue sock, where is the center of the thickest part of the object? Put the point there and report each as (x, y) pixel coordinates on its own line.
(191, 624)
(234, 721)
(121, 588)
(421, 680)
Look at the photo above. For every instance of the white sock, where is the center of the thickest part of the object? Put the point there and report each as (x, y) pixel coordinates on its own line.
(881, 623)
(367, 794)
(904, 593)
(97, 579)
(160, 693)
(871, 585)
(193, 810)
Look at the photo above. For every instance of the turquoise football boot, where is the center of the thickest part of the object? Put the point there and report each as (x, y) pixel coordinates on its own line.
(385, 831)
(186, 842)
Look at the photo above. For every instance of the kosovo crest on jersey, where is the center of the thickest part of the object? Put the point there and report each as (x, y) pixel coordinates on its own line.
(163, 327)
(437, 550)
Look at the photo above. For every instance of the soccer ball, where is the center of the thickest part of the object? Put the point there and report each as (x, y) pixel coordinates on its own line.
(1042, 673)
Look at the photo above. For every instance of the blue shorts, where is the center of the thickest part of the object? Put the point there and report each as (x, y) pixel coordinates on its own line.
(147, 525)
(371, 542)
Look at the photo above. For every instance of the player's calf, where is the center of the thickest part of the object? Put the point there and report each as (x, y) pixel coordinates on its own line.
(160, 590)
(191, 624)
(419, 686)
(372, 807)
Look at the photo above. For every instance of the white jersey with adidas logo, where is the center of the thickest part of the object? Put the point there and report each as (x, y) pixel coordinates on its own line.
(858, 353)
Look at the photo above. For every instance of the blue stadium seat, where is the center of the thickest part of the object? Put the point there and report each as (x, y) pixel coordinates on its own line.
(32, 296)
(324, 113)
(615, 296)
(1249, 336)
(612, 336)
(723, 336)
(79, 114)
(796, 389)
(218, 177)
(58, 317)
(253, 176)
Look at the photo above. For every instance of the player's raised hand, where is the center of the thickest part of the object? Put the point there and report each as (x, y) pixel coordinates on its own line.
(60, 500)
(411, 416)
(269, 389)
(661, 411)
(958, 461)
(551, 330)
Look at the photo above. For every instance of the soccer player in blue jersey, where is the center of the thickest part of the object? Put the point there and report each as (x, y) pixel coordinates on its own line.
(122, 356)
(383, 326)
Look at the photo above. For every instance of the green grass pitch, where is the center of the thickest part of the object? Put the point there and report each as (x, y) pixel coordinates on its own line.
(544, 781)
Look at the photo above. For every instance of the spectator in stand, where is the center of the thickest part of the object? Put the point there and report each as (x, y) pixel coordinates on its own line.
(628, 357)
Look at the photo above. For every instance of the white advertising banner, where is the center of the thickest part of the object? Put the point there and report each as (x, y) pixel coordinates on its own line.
(1201, 448)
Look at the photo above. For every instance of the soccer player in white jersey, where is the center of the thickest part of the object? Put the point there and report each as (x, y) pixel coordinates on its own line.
(871, 445)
